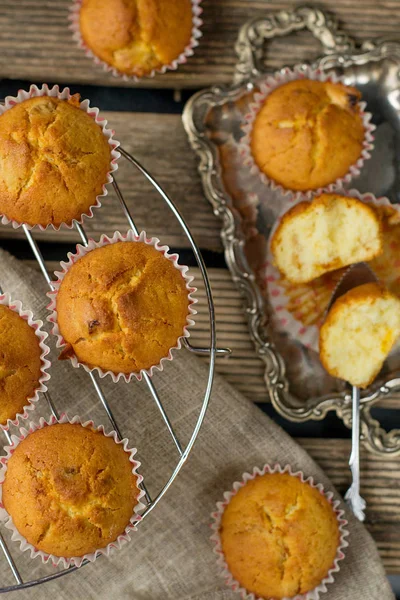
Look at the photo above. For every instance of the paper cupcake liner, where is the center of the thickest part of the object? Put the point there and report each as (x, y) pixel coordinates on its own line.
(285, 319)
(77, 560)
(265, 88)
(181, 59)
(104, 241)
(93, 112)
(27, 315)
(216, 524)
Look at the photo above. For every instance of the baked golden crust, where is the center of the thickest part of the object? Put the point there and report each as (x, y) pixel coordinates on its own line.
(308, 133)
(69, 490)
(122, 307)
(359, 332)
(279, 536)
(54, 161)
(20, 363)
(136, 36)
(328, 233)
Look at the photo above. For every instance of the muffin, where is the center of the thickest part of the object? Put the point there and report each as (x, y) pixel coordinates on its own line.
(54, 161)
(279, 536)
(359, 331)
(20, 363)
(308, 133)
(136, 36)
(69, 490)
(122, 307)
(328, 233)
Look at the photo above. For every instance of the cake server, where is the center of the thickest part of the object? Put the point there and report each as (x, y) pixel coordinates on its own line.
(357, 274)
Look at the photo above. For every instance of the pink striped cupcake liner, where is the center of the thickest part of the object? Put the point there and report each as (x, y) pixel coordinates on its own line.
(77, 561)
(27, 315)
(216, 539)
(180, 60)
(93, 112)
(265, 88)
(81, 251)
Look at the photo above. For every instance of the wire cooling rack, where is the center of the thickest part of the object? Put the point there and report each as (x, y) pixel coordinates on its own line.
(212, 351)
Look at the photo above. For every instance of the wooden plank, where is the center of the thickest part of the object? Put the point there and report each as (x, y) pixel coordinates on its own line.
(159, 142)
(36, 44)
(380, 486)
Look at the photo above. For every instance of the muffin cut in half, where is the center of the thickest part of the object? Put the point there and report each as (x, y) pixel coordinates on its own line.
(70, 490)
(20, 363)
(308, 133)
(326, 234)
(359, 331)
(54, 161)
(136, 36)
(122, 307)
(279, 536)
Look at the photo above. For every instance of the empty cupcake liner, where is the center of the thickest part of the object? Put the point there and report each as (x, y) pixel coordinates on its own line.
(93, 112)
(265, 88)
(77, 560)
(27, 315)
(181, 59)
(81, 251)
(302, 325)
(216, 525)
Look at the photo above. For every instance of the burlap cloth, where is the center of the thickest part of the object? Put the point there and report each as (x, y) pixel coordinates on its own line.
(171, 556)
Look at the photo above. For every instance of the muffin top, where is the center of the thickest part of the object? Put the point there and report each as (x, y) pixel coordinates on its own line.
(122, 307)
(54, 161)
(279, 536)
(69, 490)
(308, 133)
(19, 363)
(136, 36)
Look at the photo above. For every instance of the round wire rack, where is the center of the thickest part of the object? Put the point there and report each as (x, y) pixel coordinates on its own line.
(211, 350)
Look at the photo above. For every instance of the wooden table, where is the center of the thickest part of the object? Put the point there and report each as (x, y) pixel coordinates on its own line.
(36, 45)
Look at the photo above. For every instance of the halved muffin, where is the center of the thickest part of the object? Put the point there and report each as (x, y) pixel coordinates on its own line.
(330, 232)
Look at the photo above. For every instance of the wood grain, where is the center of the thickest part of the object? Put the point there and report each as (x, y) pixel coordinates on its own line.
(35, 42)
(159, 142)
(380, 486)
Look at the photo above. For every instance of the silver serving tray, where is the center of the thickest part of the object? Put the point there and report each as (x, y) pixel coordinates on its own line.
(296, 382)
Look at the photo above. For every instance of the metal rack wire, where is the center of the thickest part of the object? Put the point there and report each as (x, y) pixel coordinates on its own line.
(212, 351)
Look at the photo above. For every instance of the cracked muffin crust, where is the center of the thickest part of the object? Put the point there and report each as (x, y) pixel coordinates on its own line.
(54, 161)
(136, 36)
(20, 363)
(70, 490)
(279, 536)
(122, 307)
(308, 133)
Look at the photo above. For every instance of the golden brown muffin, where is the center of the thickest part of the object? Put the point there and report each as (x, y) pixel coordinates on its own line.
(54, 160)
(122, 307)
(136, 36)
(20, 363)
(279, 536)
(69, 490)
(308, 133)
(326, 234)
(359, 332)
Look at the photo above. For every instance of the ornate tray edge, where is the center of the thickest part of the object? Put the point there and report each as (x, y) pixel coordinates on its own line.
(249, 48)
